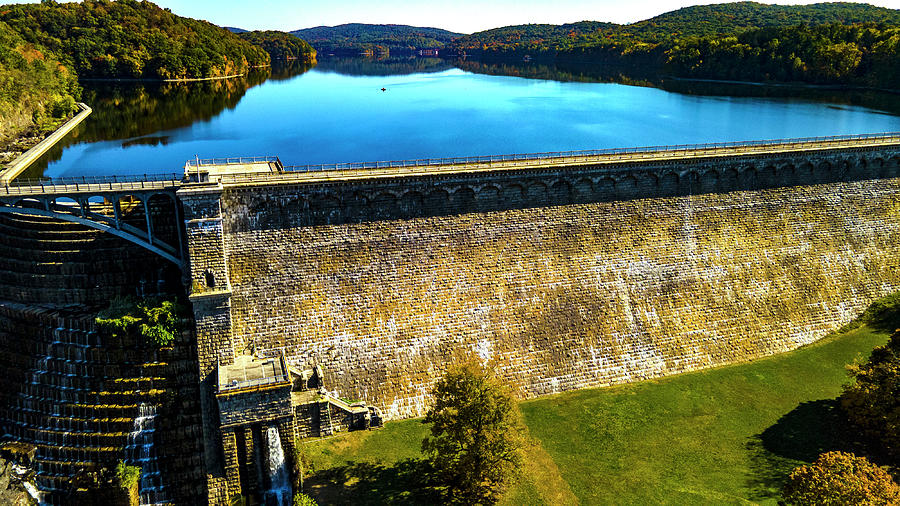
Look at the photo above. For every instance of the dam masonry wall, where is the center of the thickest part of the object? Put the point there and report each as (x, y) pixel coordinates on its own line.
(562, 277)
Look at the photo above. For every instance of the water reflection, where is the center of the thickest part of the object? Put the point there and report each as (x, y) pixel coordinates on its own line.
(431, 107)
(130, 111)
(284, 70)
(596, 73)
(565, 73)
(135, 111)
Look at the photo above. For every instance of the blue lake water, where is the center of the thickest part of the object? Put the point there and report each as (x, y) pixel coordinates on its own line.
(327, 115)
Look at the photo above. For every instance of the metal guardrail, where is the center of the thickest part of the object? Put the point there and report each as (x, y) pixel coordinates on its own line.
(172, 176)
(615, 154)
(92, 183)
(678, 148)
(105, 183)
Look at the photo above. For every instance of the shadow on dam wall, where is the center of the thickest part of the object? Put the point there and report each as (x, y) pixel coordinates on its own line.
(460, 193)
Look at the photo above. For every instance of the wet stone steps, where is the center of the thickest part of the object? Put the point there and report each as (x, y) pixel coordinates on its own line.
(83, 397)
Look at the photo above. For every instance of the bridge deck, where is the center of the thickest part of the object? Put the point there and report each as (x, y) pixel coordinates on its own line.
(87, 187)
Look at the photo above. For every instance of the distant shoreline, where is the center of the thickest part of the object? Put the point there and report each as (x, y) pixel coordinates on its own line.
(778, 84)
(145, 80)
(194, 79)
(651, 76)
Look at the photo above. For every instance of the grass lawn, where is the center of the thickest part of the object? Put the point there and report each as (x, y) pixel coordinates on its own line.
(722, 436)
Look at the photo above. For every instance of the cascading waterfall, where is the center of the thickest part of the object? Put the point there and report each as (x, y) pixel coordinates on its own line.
(141, 452)
(279, 493)
(61, 383)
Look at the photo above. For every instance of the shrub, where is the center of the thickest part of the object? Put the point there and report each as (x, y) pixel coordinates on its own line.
(303, 500)
(840, 478)
(120, 317)
(157, 321)
(127, 477)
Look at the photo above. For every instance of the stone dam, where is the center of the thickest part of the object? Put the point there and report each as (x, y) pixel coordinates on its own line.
(562, 272)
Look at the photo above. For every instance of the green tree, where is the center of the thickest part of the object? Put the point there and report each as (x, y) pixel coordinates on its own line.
(301, 499)
(840, 478)
(281, 46)
(127, 479)
(475, 446)
(302, 464)
(872, 401)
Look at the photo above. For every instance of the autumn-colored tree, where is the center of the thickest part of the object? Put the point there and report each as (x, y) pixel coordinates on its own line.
(475, 446)
(872, 402)
(132, 39)
(841, 478)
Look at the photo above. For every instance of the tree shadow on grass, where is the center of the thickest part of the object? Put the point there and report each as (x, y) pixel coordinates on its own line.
(882, 315)
(408, 481)
(798, 438)
(816, 427)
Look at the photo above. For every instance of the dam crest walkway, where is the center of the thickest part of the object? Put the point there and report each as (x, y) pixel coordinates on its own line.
(102, 202)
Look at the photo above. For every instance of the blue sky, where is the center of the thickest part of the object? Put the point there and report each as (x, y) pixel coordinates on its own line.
(459, 15)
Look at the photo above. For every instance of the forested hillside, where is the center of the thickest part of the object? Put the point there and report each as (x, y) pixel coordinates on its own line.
(701, 20)
(355, 38)
(534, 38)
(828, 54)
(837, 43)
(36, 91)
(281, 45)
(737, 17)
(131, 39)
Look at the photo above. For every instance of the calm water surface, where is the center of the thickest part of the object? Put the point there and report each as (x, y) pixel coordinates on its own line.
(337, 112)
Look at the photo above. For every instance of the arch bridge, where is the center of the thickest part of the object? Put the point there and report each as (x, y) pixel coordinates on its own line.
(139, 209)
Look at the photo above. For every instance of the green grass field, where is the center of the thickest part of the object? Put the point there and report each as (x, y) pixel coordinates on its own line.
(722, 436)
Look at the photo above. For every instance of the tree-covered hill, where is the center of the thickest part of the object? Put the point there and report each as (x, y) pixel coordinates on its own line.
(36, 91)
(531, 38)
(703, 20)
(132, 39)
(860, 54)
(829, 43)
(355, 38)
(281, 45)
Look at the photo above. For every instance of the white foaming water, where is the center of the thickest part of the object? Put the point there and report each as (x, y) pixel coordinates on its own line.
(142, 453)
(279, 493)
(33, 492)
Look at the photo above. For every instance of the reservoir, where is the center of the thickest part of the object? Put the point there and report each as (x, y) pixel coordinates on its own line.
(364, 110)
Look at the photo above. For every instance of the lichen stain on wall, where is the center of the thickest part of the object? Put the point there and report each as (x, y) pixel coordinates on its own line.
(566, 297)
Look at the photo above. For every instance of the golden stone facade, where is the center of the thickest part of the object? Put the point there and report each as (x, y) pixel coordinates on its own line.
(385, 283)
